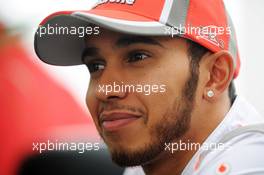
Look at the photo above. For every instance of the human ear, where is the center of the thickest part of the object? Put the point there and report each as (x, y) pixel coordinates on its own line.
(220, 71)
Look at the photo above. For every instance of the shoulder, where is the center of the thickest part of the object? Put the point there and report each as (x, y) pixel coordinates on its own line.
(243, 154)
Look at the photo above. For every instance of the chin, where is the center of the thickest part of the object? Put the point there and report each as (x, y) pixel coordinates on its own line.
(126, 155)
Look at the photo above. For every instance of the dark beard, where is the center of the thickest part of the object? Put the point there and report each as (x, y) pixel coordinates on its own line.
(174, 125)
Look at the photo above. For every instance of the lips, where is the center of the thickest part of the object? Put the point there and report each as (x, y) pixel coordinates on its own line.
(116, 120)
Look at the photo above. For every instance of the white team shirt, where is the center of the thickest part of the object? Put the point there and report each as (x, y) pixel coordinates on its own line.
(242, 155)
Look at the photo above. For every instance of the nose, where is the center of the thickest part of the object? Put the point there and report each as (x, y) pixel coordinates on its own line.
(111, 91)
(110, 86)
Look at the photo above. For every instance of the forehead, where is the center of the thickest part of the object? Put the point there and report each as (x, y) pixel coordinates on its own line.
(116, 38)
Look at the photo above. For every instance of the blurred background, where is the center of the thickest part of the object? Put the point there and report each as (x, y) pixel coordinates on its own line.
(40, 101)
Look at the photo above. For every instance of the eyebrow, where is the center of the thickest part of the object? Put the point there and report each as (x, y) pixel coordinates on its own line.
(121, 42)
(89, 52)
(129, 40)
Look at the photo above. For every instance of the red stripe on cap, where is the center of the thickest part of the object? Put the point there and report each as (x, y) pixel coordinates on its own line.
(238, 64)
(148, 8)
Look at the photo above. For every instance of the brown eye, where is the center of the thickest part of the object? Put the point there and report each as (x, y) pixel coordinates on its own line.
(137, 56)
(95, 66)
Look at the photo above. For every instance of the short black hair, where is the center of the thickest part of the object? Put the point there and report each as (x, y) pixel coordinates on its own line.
(196, 52)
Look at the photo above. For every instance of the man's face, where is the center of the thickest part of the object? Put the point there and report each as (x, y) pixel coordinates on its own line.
(135, 126)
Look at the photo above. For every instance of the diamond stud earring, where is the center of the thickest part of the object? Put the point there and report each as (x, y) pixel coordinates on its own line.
(210, 93)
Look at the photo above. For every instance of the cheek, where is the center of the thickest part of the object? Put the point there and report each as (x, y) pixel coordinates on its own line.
(92, 104)
(159, 104)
